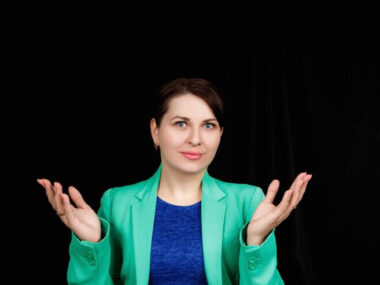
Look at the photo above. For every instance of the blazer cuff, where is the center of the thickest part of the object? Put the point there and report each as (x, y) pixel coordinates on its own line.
(91, 252)
(258, 255)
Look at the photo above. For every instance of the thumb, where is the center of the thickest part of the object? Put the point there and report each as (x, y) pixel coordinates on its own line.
(76, 196)
(272, 191)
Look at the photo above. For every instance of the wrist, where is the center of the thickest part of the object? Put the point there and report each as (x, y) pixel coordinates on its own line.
(254, 239)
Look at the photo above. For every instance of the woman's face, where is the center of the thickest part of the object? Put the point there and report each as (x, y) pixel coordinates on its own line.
(199, 133)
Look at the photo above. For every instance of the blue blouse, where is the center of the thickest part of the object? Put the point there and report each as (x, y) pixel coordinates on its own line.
(176, 252)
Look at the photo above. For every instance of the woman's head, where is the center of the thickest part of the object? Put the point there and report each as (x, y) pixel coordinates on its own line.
(188, 117)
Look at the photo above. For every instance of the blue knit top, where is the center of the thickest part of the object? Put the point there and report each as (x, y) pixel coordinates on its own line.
(176, 252)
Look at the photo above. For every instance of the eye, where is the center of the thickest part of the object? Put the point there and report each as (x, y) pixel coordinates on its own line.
(213, 125)
(180, 122)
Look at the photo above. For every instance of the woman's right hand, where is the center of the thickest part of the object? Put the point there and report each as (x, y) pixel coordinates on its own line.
(82, 219)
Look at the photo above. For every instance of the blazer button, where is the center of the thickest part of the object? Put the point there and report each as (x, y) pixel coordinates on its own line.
(252, 267)
(91, 262)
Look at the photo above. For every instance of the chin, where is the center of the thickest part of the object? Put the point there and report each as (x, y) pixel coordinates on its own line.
(193, 167)
(190, 167)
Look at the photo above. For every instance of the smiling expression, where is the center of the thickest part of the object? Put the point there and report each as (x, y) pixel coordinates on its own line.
(189, 125)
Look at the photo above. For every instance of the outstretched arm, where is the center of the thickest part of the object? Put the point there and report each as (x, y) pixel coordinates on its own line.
(258, 250)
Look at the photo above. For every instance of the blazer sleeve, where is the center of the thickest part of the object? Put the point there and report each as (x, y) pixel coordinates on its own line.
(258, 263)
(96, 263)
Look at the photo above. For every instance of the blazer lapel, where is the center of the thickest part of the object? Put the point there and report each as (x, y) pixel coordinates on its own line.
(143, 213)
(213, 208)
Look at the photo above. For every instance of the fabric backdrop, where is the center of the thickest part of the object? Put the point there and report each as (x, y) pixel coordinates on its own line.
(292, 106)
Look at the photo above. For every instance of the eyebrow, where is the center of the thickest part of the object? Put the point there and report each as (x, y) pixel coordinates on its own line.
(187, 119)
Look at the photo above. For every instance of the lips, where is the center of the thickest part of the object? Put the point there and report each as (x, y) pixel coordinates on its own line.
(192, 155)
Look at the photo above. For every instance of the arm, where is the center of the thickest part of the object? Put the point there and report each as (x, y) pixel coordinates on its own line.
(260, 251)
(258, 263)
(96, 263)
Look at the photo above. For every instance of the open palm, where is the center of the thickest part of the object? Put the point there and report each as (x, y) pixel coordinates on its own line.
(82, 219)
(267, 216)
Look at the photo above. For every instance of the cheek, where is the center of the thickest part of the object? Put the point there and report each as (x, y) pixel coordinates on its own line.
(173, 138)
(215, 142)
(212, 141)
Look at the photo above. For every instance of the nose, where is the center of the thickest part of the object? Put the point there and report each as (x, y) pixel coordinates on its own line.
(195, 137)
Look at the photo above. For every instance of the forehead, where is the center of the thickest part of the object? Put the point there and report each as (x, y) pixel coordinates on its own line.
(190, 106)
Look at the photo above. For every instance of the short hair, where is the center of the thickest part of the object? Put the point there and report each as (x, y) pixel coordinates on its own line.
(180, 86)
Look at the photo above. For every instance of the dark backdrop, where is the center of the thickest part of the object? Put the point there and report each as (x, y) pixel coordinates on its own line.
(80, 116)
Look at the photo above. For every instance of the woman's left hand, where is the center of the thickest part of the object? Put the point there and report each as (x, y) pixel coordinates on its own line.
(268, 216)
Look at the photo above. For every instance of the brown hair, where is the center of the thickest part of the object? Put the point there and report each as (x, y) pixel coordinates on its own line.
(180, 86)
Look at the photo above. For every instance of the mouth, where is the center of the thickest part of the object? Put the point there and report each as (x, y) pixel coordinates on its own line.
(192, 155)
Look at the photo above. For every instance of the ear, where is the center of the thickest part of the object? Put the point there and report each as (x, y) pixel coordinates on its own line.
(154, 131)
(221, 131)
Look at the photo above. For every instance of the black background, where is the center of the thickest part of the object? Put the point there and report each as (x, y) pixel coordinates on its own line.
(78, 113)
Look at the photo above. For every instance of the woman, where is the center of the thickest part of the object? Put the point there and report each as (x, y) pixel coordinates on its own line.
(180, 226)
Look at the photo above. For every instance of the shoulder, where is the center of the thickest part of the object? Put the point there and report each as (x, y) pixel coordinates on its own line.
(123, 192)
(242, 190)
(242, 197)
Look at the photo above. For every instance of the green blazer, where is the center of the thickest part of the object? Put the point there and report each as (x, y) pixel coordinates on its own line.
(127, 214)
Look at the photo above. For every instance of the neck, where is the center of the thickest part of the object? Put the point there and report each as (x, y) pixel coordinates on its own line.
(180, 186)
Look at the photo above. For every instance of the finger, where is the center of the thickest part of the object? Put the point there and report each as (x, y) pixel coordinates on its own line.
(63, 215)
(303, 189)
(283, 207)
(49, 192)
(67, 208)
(295, 185)
(286, 208)
(58, 198)
(77, 198)
(272, 191)
(298, 178)
(296, 197)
